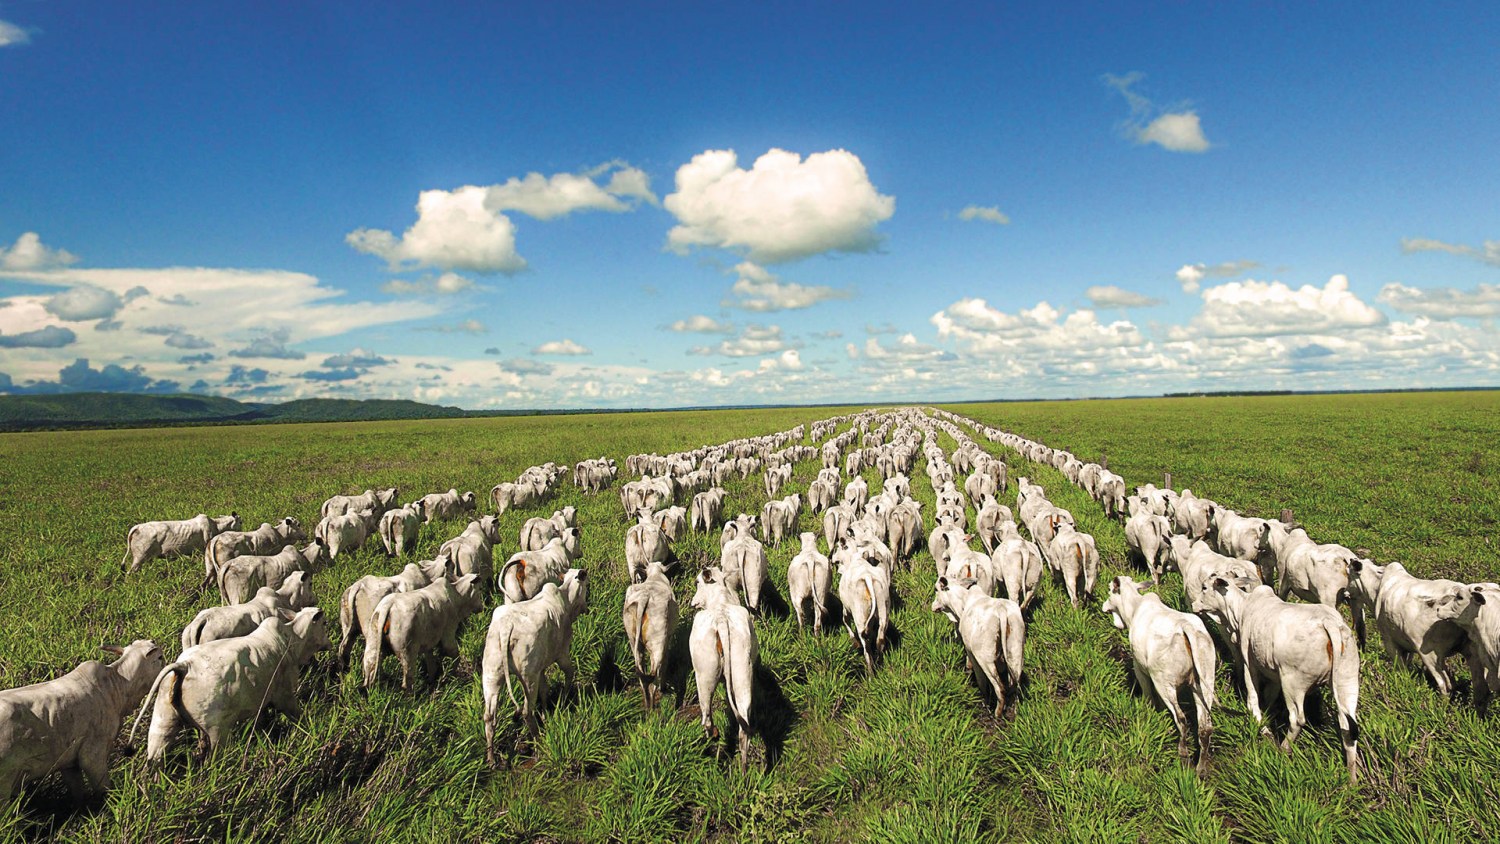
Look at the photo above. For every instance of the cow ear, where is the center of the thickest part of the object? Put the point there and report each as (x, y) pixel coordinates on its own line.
(1477, 595)
(1221, 586)
(1356, 565)
(942, 583)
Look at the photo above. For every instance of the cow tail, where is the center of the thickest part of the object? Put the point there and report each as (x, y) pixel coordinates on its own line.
(506, 668)
(721, 629)
(1339, 663)
(129, 537)
(637, 638)
(1203, 670)
(380, 622)
(173, 669)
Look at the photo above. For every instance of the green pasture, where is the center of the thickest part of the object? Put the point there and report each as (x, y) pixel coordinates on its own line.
(910, 754)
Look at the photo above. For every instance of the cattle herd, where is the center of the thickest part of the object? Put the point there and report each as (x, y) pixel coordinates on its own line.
(1237, 573)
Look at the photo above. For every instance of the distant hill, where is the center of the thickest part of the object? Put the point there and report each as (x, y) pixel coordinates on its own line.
(130, 410)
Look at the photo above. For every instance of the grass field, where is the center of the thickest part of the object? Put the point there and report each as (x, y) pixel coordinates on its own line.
(909, 754)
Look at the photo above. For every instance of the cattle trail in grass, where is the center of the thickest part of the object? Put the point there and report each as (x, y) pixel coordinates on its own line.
(990, 709)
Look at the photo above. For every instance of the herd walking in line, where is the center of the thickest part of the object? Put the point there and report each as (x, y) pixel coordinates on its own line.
(1259, 592)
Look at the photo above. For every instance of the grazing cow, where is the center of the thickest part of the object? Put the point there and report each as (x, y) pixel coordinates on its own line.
(807, 581)
(149, 540)
(473, 551)
(242, 576)
(1199, 564)
(903, 527)
(442, 506)
(1192, 515)
(242, 619)
(836, 522)
(1415, 616)
(377, 500)
(857, 494)
(510, 494)
(645, 543)
(1146, 534)
(69, 724)
(992, 631)
(524, 574)
(1172, 651)
(779, 519)
(358, 602)
(1018, 565)
(415, 624)
(345, 531)
(964, 563)
(672, 521)
(1297, 645)
(215, 686)
(707, 509)
(723, 644)
(650, 616)
(865, 592)
(525, 639)
(1244, 538)
(743, 525)
(744, 561)
(1480, 618)
(987, 522)
(1312, 572)
(399, 527)
(1075, 557)
(266, 539)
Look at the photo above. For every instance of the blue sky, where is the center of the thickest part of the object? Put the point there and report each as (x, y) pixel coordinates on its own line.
(662, 205)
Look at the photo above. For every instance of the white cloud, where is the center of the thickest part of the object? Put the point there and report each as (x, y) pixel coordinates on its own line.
(987, 214)
(1190, 276)
(1489, 253)
(84, 302)
(783, 208)
(272, 344)
(760, 291)
(1442, 302)
(1265, 309)
(1110, 296)
(12, 35)
(446, 284)
(30, 254)
(754, 341)
(454, 231)
(1177, 131)
(565, 346)
(468, 326)
(546, 198)
(700, 324)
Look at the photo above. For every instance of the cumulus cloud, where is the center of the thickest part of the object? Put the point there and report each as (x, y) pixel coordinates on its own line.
(982, 213)
(272, 344)
(446, 284)
(204, 357)
(356, 359)
(454, 231)
(754, 341)
(1489, 253)
(1177, 131)
(1265, 309)
(564, 346)
(84, 302)
(1110, 296)
(783, 208)
(78, 377)
(526, 366)
(700, 324)
(1442, 302)
(183, 340)
(545, 197)
(243, 375)
(1190, 276)
(758, 290)
(346, 374)
(30, 254)
(47, 337)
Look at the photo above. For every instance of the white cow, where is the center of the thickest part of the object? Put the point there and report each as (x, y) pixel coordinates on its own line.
(779, 518)
(69, 724)
(1172, 651)
(865, 592)
(215, 686)
(241, 619)
(987, 523)
(1481, 619)
(473, 550)
(358, 602)
(1298, 646)
(645, 542)
(1415, 616)
(1192, 515)
(149, 540)
(1146, 534)
(240, 577)
(1018, 564)
(723, 644)
(807, 581)
(524, 639)
(377, 500)
(442, 506)
(992, 631)
(399, 528)
(526, 572)
(1313, 572)
(1075, 557)
(650, 616)
(707, 509)
(414, 625)
(964, 563)
(744, 561)
(345, 531)
(266, 539)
